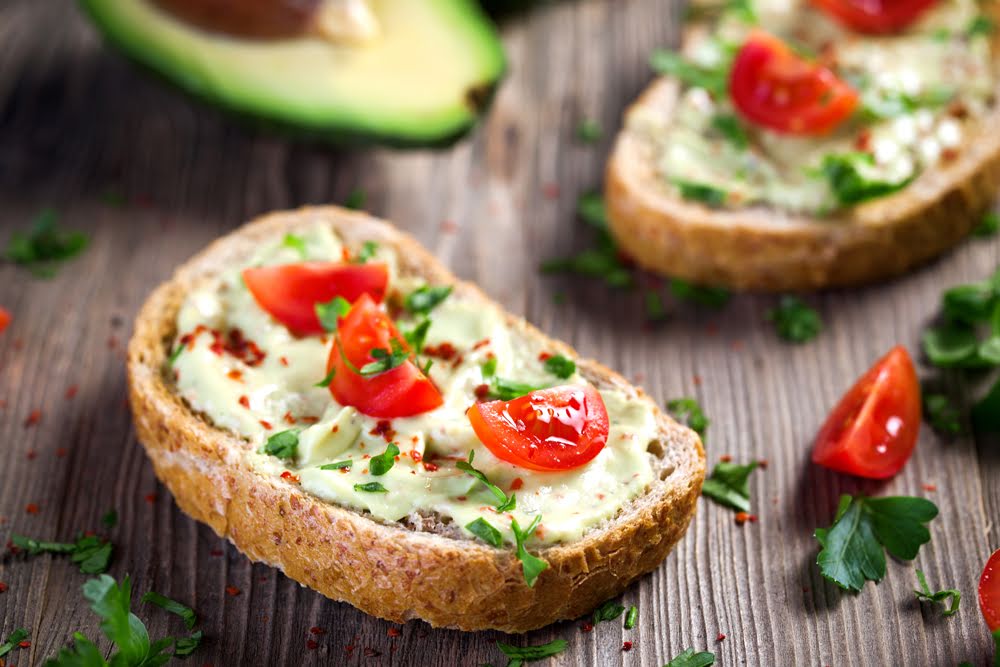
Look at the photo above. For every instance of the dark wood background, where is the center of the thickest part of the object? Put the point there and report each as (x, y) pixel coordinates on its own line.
(76, 123)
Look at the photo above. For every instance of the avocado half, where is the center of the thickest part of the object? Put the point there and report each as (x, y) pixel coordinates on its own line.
(422, 81)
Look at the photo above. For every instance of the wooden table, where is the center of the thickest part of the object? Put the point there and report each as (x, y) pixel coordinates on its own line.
(77, 123)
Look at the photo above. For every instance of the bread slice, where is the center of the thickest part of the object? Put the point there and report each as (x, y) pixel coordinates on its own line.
(760, 248)
(419, 567)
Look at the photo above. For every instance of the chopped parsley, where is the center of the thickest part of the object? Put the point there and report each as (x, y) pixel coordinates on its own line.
(969, 335)
(507, 390)
(689, 411)
(713, 79)
(589, 131)
(296, 243)
(728, 485)
(368, 250)
(706, 193)
(988, 226)
(519, 654)
(532, 566)
(924, 593)
(172, 359)
(505, 503)
(730, 127)
(44, 246)
(329, 312)
(986, 413)
(691, 659)
(381, 464)
(631, 617)
(852, 179)
(591, 209)
(284, 444)
(942, 414)
(110, 519)
(425, 299)
(608, 611)
(981, 25)
(884, 105)
(19, 635)
(417, 336)
(713, 297)
(163, 602)
(560, 366)
(325, 382)
(653, 302)
(90, 553)
(485, 531)
(371, 487)
(337, 466)
(489, 368)
(385, 360)
(356, 199)
(853, 548)
(795, 321)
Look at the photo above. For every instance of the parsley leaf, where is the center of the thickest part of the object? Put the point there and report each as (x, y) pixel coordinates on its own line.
(110, 520)
(532, 566)
(728, 485)
(385, 360)
(852, 179)
(730, 127)
(688, 410)
(329, 312)
(356, 199)
(296, 243)
(988, 226)
(713, 297)
(381, 464)
(591, 209)
(710, 195)
(90, 553)
(505, 503)
(653, 302)
(163, 602)
(44, 246)
(589, 131)
(508, 390)
(940, 596)
(631, 617)
(560, 366)
(485, 531)
(489, 368)
(691, 659)
(371, 487)
(84, 653)
(172, 359)
(852, 548)
(795, 321)
(368, 250)
(950, 345)
(325, 382)
(986, 413)
(111, 602)
(713, 79)
(530, 653)
(19, 635)
(417, 336)
(284, 444)
(981, 25)
(338, 465)
(424, 299)
(608, 611)
(185, 646)
(942, 414)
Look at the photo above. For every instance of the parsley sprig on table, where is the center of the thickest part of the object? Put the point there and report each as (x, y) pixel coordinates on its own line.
(44, 246)
(689, 411)
(853, 548)
(19, 635)
(520, 654)
(794, 320)
(608, 611)
(924, 593)
(89, 552)
(728, 485)
(690, 658)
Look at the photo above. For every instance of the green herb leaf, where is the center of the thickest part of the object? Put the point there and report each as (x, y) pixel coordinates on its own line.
(560, 366)
(986, 413)
(338, 465)
(988, 226)
(530, 653)
(942, 414)
(743, 10)
(608, 611)
(795, 321)
(924, 593)
(691, 659)
(508, 390)
(708, 194)
(381, 464)
(852, 548)
(371, 487)
(482, 529)
(730, 127)
(532, 566)
(424, 299)
(882, 105)
(970, 303)
(713, 297)
(385, 360)
(90, 553)
(982, 25)
(951, 345)
(111, 602)
(19, 635)
(284, 444)
(356, 199)
(713, 79)
(110, 520)
(852, 179)
(631, 617)
(589, 131)
(368, 250)
(163, 602)
(688, 411)
(728, 485)
(591, 209)
(489, 368)
(296, 243)
(417, 336)
(44, 245)
(84, 653)
(172, 359)
(328, 313)
(185, 646)
(653, 302)
(505, 503)
(325, 382)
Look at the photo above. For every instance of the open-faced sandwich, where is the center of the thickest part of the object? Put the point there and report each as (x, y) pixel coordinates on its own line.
(318, 389)
(797, 144)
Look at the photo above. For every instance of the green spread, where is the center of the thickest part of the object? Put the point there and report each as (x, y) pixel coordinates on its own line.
(920, 90)
(258, 395)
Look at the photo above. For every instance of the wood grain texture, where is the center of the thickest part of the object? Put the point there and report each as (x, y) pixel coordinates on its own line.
(77, 122)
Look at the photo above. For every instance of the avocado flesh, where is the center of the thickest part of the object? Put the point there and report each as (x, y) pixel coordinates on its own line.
(422, 80)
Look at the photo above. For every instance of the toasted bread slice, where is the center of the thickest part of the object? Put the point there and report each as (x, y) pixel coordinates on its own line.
(762, 248)
(419, 567)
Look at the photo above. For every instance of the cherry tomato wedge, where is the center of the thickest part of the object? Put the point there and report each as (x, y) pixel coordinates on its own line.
(290, 292)
(402, 391)
(5, 318)
(875, 16)
(989, 592)
(776, 88)
(873, 430)
(559, 428)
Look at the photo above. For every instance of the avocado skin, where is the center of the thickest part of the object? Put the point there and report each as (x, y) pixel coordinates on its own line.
(336, 132)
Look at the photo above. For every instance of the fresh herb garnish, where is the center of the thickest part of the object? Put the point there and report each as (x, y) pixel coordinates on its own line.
(19, 635)
(942, 414)
(852, 178)
(284, 444)
(163, 602)
(505, 503)
(296, 243)
(89, 552)
(385, 360)
(713, 79)
(708, 194)
(924, 593)
(185, 646)
(417, 336)
(986, 413)
(728, 485)
(172, 359)
(884, 105)
(591, 209)
(853, 548)
(730, 127)
(988, 226)
(532, 566)
(519, 654)
(608, 611)
(338, 465)
(381, 464)
(631, 617)
(691, 659)
(489, 368)
(325, 382)
(110, 519)
(589, 131)
(356, 199)
(795, 321)
(485, 531)
(743, 10)
(688, 410)
(368, 250)
(42, 247)
(329, 312)
(507, 390)
(371, 487)
(601, 261)
(653, 302)
(424, 299)
(713, 297)
(981, 25)
(560, 366)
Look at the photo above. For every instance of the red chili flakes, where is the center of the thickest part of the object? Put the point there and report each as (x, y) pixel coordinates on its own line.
(393, 632)
(150, 498)
(266, 424)
(742, 518)
(61, 453)
(482, 392)
(309, 420)
(71, 391)
(762, 464)
(3, 587)
(312, 644)
(449, 227)
(288, 418)
(112, 342)
(551, 190)
(930, 487)
(345, 254)
(430, 467)
(720, 637)
(626, 646)
(863, 141)
(516, 484)
(587, 627)
(216, 553)
(290, 477)
(949, 154)
(725, 458)
(5, 318)
(696, 379)
(33, 418)
(544, 355)
(233, 591)
(317, 630)
(24, 644)
(712, 330)
(383, 427)
(416, 456)
(245, 402)
(445, 351)
(32, 508)
(737, 345)
(483, 343)
(31, 455)
(236, 345)
(235, 374)
(283, 361)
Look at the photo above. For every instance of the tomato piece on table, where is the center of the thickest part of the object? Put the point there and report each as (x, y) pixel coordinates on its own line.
(559, 428)
(776, 88)
(875, 16)
(290, 292)
(402, 391)
(5, 318)
(873, 430)
(989, 592)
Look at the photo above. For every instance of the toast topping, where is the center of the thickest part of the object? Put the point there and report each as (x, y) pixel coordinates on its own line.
(392, 466)
(921, 90)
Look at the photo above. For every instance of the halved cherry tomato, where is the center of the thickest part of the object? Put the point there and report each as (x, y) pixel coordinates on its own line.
(875, 16)
(776, 88)
(873, 430)
(549, 429)
(290, 292)
(402, 391)
(989, 592)
(5, 318)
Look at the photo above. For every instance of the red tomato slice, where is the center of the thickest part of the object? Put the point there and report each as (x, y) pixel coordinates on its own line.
(5, 318)
(549, 429)
(989, 595)
(290, 292)
(875, 16)
(402, 391)
(776, 88)
(873, 430)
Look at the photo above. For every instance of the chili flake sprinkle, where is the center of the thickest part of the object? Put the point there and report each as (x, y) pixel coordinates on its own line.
(233, 591)
(31, 508)
(312, 644)
(482, 392)
(316, 630)
(33, 418)
(720, 637)
(71, 391)
(742, 518)
(383, 427)
(393, 632)
(151, 498)
(3, 587)
(587, 627)
(930, 487)
(516, 484)
(626, 646)
(266, 424)
(290, 477)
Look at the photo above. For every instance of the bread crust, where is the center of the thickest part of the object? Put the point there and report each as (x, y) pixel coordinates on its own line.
(766, 249)
(387, 570)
